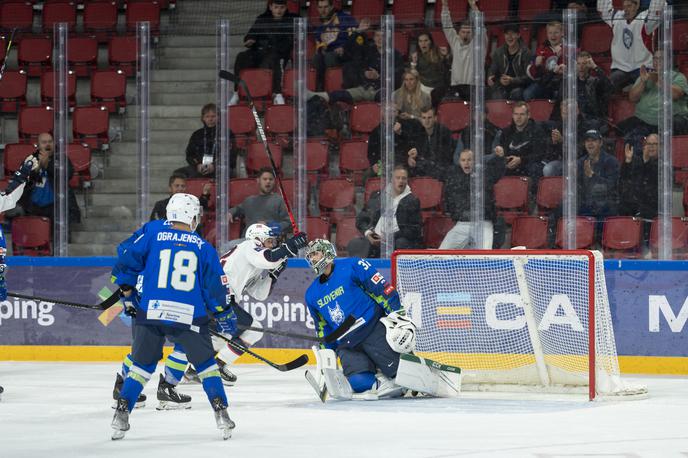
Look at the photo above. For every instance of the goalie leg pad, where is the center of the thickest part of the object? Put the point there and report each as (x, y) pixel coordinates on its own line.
(337, 385)
(428, 376)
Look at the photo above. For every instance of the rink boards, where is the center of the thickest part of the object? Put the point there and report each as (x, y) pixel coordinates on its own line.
(649, 306)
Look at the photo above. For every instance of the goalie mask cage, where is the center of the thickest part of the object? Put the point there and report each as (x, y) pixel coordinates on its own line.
(514, 320)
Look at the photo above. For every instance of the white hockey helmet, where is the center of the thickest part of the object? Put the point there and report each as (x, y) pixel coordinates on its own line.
(260, 232)
(184, 208)
(328, 254)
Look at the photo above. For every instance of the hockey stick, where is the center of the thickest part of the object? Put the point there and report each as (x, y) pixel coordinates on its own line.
(331, 337)
(298, 362)
(103, 305)
(7, 54)
(224, 74)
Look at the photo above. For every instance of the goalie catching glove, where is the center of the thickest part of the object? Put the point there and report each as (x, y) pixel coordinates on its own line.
(401, 332)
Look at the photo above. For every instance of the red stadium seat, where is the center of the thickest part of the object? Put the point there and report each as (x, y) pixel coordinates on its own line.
(257, 157)
(401, 42)
(511, 197)
(13, 91)
(280, 124)
(596, 38)
(454, 114)
(90, 125)
(429, 192)
(365, 116)
(194, 186)
(288, 89)
(100, 19)
(549, 193)
(290, 190)
(240, 189)
(122, 54)
(530, 232)
(679, 236)
(371, 9)
(620, 109)
(680, 36)
(259, 82)
(495, 10)
(679, 153)
(529, 9)
(317, 160)
(353, 159)
(439, 38)
(55, 12)
(80, 157)
(585, 232)
(346, 231)
(685, 198)
(540, 110)
(82, 53)
(499, 112)
(33, 121)
(242, 124)
(457, 8)
(143, 12)
(48, 88)
(16, 15)
(621, 236)
(334, 79)
(34, 55)
(336, 198)
(409, 12)
(14, 155)
(435, 228)
(3, 48)
(318, 228)
(31, 236)
(371, 185)
(108, 88)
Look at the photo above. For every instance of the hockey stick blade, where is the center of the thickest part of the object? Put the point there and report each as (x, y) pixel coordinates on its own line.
(291, 365)
(320, 392)
(333, 336)
(225, 75)
(105, 304)
(341, 330)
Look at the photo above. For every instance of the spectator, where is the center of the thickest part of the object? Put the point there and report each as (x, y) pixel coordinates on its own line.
(266, 206)
(462, 57)
(491, 138)
(638, 187)
(631, 37)
(583, 14)
(594, 88)
(177, 184)
(598, 179)
(507, 76)
(522, 145)
(645, 94)
(38, 171)
(431, 62)
(269, 41)
(331, 35)
(410, 99)
(547, 68)
(436, 149)
(406, 223)
(457, 203)
(361, 74)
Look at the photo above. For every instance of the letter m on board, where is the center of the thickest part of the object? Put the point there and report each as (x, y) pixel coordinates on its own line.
(659, 304)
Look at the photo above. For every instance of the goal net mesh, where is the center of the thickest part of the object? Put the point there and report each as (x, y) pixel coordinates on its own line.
(512, 319)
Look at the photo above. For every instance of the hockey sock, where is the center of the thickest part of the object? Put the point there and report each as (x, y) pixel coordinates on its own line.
(126, 365)
(175, 365)
(363, 381)
(209, 374)
(136, 379)
(229, 354)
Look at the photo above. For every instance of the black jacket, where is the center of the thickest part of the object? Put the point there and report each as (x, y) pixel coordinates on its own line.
(362, 55)
(529, 144)
(410, 136)
(457, 192)
(436, 153)
(202, 142)
(638, 188)
(408, 217)
(272, 35)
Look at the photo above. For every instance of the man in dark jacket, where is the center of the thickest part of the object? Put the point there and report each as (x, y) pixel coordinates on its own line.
(507, 76)
(598, 179)
(594, 88)
(435, 148)
(406, 224)
(638, 183)
(269, 41)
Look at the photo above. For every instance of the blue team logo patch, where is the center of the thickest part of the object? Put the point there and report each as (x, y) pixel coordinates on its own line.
(155, 305)
(336, 313)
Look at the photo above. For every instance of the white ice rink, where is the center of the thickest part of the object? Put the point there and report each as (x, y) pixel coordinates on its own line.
(54, 410)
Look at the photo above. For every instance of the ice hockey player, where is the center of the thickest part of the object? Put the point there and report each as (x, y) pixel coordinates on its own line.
(181, 288)
(370, 350)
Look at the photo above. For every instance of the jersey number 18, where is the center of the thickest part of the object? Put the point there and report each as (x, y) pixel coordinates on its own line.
(184, 266)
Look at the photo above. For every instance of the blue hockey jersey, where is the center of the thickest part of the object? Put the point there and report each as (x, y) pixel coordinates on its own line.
(355, 288)
(182, 275)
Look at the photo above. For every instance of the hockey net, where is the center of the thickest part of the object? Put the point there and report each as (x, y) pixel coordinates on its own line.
(514, 320)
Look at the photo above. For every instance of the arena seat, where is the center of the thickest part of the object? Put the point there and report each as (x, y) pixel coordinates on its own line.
(31, 236)
(34, 55)
(454, 114)
(100, 19)
(346, 231)
(585, 232)
(353, 159)
(14, 155)
(122, 54)
(257, 157)
(13, 91)
(621, 236)
(33, 121)
(82, 54)
(318, 227)
(48, 88)
(530, 232)
(90, 125)
(108, 88)
(336, 198)
(511, 197)
(435, 228)
(56, 12)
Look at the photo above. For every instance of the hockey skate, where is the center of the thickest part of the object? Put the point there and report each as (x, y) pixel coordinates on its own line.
(228, 377)
(386, 388)
(119, 382)
(191, 376)
(169, 398)
(120, 422)
(224, 423)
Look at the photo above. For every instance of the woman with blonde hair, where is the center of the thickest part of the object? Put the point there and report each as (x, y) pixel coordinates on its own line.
(410, 99)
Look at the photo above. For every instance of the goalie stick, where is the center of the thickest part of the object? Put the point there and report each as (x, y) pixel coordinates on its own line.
(291, 365)
(103, 305)
(331, 337)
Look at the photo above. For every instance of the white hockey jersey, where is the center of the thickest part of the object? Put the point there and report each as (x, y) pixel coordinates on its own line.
(246, 270)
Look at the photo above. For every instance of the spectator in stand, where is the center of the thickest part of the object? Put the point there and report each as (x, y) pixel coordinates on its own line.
(38, 172)
(361, 74)
(594, 88)
(269, 41)
(547, 68)
(406, 224)
(522, 145)
(507, 76)
(645, 94)
(631, 38)
(408, 134)
(638, 187)
(177, 184)
(457, 203)
(410, 99)
(431, 62)
(331, 35)
(435, 149)
(598, 179)
(265, 207)
(583, 14)
(462, 56)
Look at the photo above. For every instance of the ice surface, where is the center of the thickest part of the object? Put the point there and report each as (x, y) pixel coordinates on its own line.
(54, 410)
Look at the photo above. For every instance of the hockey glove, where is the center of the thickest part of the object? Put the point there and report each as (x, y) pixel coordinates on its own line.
(401, 332)
(277, 271)
(289, 249)
(3, 284)
(298, 241)
(226, 321)
(131, 302)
